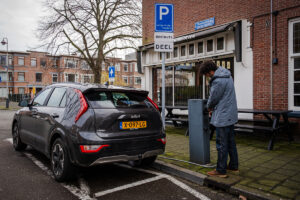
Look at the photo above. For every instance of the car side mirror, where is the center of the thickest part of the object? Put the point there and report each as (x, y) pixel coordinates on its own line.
(24, 103)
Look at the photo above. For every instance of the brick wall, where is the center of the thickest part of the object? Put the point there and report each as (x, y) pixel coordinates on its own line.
(187, 12)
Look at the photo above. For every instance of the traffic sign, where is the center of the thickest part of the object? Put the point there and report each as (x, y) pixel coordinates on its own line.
(163, 42)
(111, 72)
(0, 79)
(164, 17)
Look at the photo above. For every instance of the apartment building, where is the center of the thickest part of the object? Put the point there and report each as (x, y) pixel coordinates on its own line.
(32, 69)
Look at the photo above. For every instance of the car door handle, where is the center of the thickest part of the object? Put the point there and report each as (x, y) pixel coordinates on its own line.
(55, 115)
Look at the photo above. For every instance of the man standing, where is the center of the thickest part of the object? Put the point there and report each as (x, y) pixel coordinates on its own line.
(222, 103)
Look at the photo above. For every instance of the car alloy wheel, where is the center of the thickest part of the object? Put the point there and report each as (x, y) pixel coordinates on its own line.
(17, 143)
(58, 159)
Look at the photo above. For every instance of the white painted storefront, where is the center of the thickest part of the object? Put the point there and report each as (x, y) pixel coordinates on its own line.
(242, 72)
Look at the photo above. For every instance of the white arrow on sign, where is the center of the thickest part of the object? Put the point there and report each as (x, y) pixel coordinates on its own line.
(111, 72)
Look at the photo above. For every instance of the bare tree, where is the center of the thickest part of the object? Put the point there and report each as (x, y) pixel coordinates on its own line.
(93, 29)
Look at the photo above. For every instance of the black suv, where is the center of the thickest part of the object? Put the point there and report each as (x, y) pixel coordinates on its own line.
(85, 124)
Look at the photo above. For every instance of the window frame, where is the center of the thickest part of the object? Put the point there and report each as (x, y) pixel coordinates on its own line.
(50, 95)
(22, 58)
(33, 59)
(221, 50)
(36, 77)
(185, 51)
(213, 46)
(190, 55)
(203, 47)
(23, 77)
(292, 56)
(56, 77)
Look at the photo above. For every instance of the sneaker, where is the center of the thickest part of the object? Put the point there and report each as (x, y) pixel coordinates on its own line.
(217, 174)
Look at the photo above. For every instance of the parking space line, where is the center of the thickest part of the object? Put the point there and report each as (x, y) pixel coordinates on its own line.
(81, 193)
(172, 179)
(84, 191)
(124, 187)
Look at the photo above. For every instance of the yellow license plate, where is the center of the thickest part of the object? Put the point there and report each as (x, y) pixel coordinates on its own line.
(133, 124)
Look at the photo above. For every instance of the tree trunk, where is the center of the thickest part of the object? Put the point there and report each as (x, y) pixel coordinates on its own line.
(97, 75)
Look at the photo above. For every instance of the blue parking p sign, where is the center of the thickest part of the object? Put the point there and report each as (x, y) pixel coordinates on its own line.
(164, 17)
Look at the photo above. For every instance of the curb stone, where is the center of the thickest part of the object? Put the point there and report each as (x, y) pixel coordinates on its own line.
(202, 179)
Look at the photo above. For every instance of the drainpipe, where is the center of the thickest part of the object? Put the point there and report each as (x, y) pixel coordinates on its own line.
(271, 55)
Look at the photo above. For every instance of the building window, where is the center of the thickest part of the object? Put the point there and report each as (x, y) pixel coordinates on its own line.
(131, 70)
(160, 55)
(125, 79)
(21, 76)
(84, 65)
(21, 61)
(296, 37)
(87, 79)
(125, 68)
(210, 45)
(54, 78)
(168, 55)
(10, 60)
(70, 63)
(191, 49)
(118, 67)
(135, 68)
(70, 78)
(182, 50)
(200, 47)
(11, 90)
(3, 60)
(220, 43)
(10, 76)
(38, 77)
(21, 90)
(137, 80)
(33, 62)
(294, 64)
(43, 62)
(175, 52)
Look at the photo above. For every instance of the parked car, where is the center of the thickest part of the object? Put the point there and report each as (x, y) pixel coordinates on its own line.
(84, 125)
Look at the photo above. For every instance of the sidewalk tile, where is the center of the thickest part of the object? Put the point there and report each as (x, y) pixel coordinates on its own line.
(291, 184)
(275, 176)
(285, 191)
(260, 187)
(269, 182)
(252, 174)
(286, 172)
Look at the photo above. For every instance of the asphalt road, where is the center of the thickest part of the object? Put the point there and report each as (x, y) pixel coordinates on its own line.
(26, 175)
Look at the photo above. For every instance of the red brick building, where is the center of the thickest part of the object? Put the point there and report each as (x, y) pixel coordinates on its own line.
(30, 69)
(239, 40)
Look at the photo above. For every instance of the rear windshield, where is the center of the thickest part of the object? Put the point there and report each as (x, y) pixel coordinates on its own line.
(104, 99)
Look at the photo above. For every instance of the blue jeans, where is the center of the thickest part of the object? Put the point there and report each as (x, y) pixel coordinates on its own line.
(225, 144)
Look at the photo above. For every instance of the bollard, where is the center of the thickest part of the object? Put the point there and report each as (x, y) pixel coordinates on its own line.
(7, 103)
(199, 132)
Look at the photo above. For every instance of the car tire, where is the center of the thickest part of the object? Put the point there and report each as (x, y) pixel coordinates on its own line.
(17, 143)
(148, 161)
(61, 166)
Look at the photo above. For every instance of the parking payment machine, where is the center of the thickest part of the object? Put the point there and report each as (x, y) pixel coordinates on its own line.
(199, 132)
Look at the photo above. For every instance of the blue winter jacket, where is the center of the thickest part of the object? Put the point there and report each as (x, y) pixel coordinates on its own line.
(222, 99)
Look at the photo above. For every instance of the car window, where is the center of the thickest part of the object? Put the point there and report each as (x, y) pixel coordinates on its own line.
(63, 101)
(40, 99)
(103, 99)
(56, 97)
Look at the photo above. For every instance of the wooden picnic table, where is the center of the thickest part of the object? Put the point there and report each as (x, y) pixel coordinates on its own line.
(272, 123)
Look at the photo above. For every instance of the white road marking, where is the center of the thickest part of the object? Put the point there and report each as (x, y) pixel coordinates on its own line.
(84, 191)
(124, 187)
(81, 193)
(9, 140)
(172, 179)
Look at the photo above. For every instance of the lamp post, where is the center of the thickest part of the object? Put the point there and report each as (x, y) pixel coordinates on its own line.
(5, 42)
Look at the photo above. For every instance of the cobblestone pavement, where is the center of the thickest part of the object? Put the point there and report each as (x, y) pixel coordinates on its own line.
(275, 172)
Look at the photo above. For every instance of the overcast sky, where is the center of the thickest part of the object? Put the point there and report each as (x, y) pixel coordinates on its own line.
(18, 22)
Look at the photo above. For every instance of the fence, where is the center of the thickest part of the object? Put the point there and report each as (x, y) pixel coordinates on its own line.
(18, 97)
(182, 94)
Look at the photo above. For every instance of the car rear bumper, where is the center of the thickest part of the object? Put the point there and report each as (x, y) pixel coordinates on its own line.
(120, 150)
(125, 158)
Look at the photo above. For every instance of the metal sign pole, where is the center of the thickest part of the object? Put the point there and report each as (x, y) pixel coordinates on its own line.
(163, 90)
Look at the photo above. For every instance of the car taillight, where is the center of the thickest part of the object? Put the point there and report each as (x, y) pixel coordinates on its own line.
(92, 148)
(83, 105)
(153, 103)
(162, 140)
